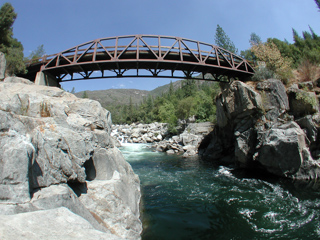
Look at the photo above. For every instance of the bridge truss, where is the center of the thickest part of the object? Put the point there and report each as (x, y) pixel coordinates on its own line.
(142, 56)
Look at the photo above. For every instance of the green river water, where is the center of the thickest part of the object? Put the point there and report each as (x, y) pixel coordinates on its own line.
(191, 199)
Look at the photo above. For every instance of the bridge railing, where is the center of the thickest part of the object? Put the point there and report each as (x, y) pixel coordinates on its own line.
(141, 48)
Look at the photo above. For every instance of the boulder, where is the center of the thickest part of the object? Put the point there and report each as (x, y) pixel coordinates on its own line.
(310, 126)
(58, 223)
(15, 159)
(280, 149)
(170, 152)
(245, 143)
(237, 100)
(57, 152)
(3, 64)
(274, 98)
(302, 102)
(17, 80)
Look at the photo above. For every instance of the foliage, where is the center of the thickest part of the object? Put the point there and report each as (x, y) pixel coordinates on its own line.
(85, 94)
(190, 99)
(307, 98)
(38, 53)
(248, 54)
(269, 53)
(308, 71)
(263, 73)
(10, 46)
(222, 40)
(318, 3)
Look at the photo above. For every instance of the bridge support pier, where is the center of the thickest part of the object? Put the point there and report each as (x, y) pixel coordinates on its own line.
(46, 79)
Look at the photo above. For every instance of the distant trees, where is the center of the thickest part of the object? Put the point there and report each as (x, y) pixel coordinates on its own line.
(10, 46)
(222, 40)
(190, 99)
(280, 57)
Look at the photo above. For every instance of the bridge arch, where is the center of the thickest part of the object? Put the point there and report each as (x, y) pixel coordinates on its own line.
(141, 56)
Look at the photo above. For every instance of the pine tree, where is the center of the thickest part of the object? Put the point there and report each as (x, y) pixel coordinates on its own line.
(85, 95)
(222, 40)
(10, 46)
(38, 53)
(318, 3)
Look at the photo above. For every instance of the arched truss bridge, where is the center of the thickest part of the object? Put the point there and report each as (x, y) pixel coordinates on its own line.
(142, 56)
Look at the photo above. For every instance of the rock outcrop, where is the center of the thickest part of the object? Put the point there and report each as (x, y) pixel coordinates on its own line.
(60, 169)
(263, 126)
(186, 143)
(3, 63)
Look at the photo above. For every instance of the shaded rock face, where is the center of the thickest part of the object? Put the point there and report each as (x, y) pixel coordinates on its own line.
(3, 63)
(254, 130)
(57, 152)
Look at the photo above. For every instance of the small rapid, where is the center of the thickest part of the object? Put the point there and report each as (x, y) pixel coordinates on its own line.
(186, 198)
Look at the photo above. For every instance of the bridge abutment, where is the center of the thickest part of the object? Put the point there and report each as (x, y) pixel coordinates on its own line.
(46, 79)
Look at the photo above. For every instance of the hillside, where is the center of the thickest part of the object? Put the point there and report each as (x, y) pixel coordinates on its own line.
(116, 96)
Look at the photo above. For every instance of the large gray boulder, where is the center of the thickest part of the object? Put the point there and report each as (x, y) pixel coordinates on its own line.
(53, 224)
(17, 80)
(58, 152)
(274, 98)
(302, 102)
(236, 101)
(281, 149)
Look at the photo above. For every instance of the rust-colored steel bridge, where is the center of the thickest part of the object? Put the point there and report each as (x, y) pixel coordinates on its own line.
(142, 56)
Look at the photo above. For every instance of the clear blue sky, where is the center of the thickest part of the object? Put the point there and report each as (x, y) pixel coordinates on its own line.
(62, 24)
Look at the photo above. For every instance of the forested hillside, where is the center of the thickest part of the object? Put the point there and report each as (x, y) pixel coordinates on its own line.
(191, 98)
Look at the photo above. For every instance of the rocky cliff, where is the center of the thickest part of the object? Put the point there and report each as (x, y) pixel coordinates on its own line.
(61, 176)
(266, 126)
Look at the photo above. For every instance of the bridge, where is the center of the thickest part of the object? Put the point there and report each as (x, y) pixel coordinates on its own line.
(139, 56)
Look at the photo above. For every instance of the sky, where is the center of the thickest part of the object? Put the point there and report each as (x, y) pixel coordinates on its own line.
(63, 24)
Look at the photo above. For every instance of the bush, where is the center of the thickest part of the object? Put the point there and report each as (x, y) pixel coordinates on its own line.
(270, 54)
(308, 71)
(263, 73)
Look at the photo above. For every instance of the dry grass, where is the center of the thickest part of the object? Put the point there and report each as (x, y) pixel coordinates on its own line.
(308, 72)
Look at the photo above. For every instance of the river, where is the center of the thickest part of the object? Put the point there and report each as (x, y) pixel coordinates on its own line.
(191, 199)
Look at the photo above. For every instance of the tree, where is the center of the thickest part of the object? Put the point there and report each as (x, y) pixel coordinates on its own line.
(38, 53)
(248, 54)
(188, 87)
(318, 3)
(269, 54)
(10, 46)
(85, 95)
(222, 40)
(255, 39)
